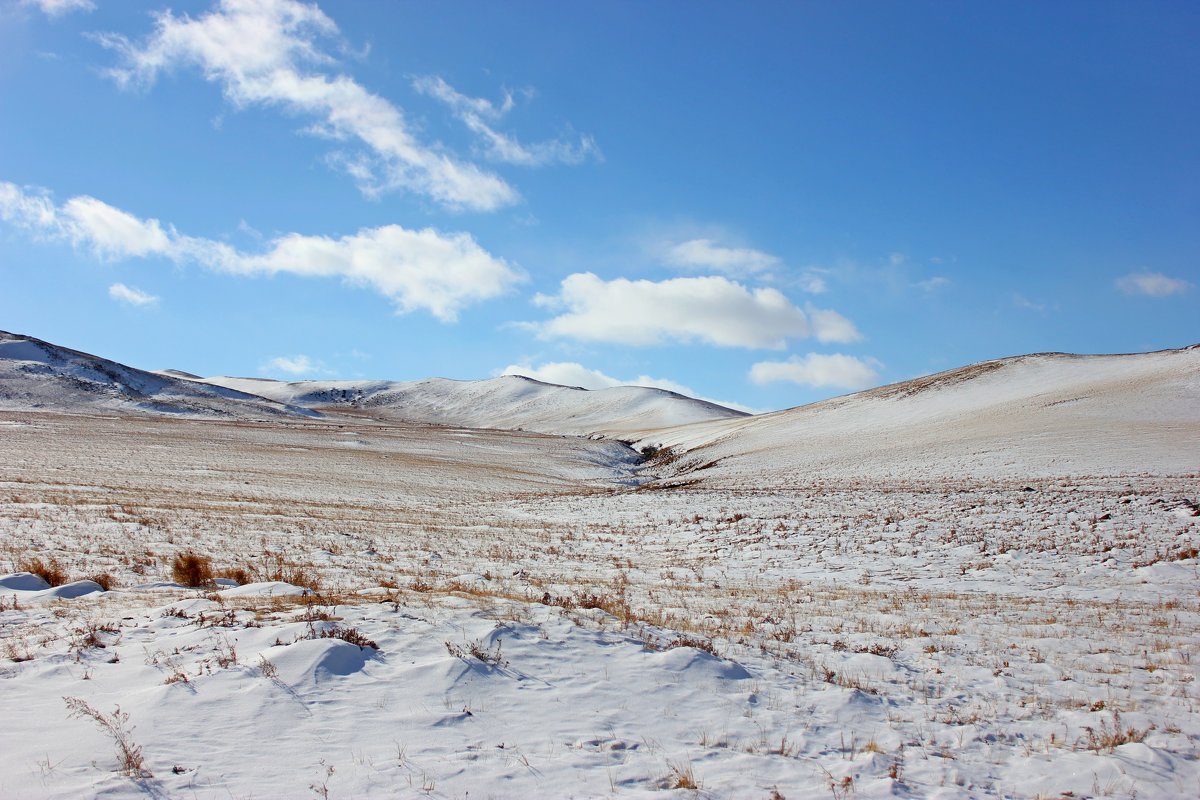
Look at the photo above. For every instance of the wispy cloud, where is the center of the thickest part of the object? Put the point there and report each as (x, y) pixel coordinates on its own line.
(1021, 301)
(818, 370)
(571, 373)
(416, 269)
(131, 296)
(712, 310)
(293, 366)
(57, 8)
(812, 282)
(933, 284)
(480, 114)
(1152, 284)
(273, 54)
(706, 254)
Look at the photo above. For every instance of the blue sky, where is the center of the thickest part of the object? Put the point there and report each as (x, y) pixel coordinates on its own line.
(762, 204)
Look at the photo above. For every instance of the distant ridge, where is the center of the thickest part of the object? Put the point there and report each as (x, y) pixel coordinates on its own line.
(38, 375)
(510, 402)
(35, 374)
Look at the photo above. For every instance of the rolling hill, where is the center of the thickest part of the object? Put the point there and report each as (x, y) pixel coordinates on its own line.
(38, 375)
(1037, 415)
(507, 403)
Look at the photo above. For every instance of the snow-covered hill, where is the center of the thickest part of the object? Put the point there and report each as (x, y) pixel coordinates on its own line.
(980, 583)
(1037, 415)
(507, 403)
(39, 375)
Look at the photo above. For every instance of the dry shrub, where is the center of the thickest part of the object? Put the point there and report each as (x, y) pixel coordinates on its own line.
(192, 569)
(275, 567)
(133, 764)
(682, 640)
(107, 582)
(51, 572)
(351, 635)
(238, 574)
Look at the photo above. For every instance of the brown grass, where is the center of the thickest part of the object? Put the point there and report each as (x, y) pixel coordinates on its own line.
(49, 571)
(192, 569)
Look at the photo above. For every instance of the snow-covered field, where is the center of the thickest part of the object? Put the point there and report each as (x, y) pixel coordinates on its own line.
(966, 614)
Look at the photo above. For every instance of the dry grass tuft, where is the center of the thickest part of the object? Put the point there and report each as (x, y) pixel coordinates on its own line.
(49, 571)
(1106, 737)
(192, 569)
(107, 582)
(682, 776)
(133, 764)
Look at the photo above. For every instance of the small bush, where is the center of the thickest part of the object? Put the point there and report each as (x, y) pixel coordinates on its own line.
(51, 572)
(239, 574)
(107, 582)
(192, 569)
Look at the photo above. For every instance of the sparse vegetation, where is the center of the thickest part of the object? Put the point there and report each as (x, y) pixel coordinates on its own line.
(1107, 736)
(116, 724)
(947, 651)
(352, 635)
(480, 652)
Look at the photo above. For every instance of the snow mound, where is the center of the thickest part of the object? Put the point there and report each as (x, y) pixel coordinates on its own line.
(31, 588)
(23, 582)
(311, 662)
(698, 664)
(266, 589)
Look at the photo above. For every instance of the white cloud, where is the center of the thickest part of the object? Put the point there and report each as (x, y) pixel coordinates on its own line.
(1153, 284)
(477, 114)
(112, 233)
(270, 53)
(713, 310)
(131, 295)
(57, 8)
(707, 254)
(294, 366)
(830, 326)
(571, 373)
(817, 369)
(416, 269)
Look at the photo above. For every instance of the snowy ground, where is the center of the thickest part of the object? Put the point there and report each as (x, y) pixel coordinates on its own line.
(551, 622)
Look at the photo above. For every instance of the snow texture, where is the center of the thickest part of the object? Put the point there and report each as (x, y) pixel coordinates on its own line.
(981, 583)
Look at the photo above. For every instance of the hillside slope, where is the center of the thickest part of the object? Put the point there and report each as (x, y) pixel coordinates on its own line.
(506, 403)
(38, 375)
(1037, 415)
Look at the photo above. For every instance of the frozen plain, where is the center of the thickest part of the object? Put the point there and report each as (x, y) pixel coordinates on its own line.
(982, 584)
